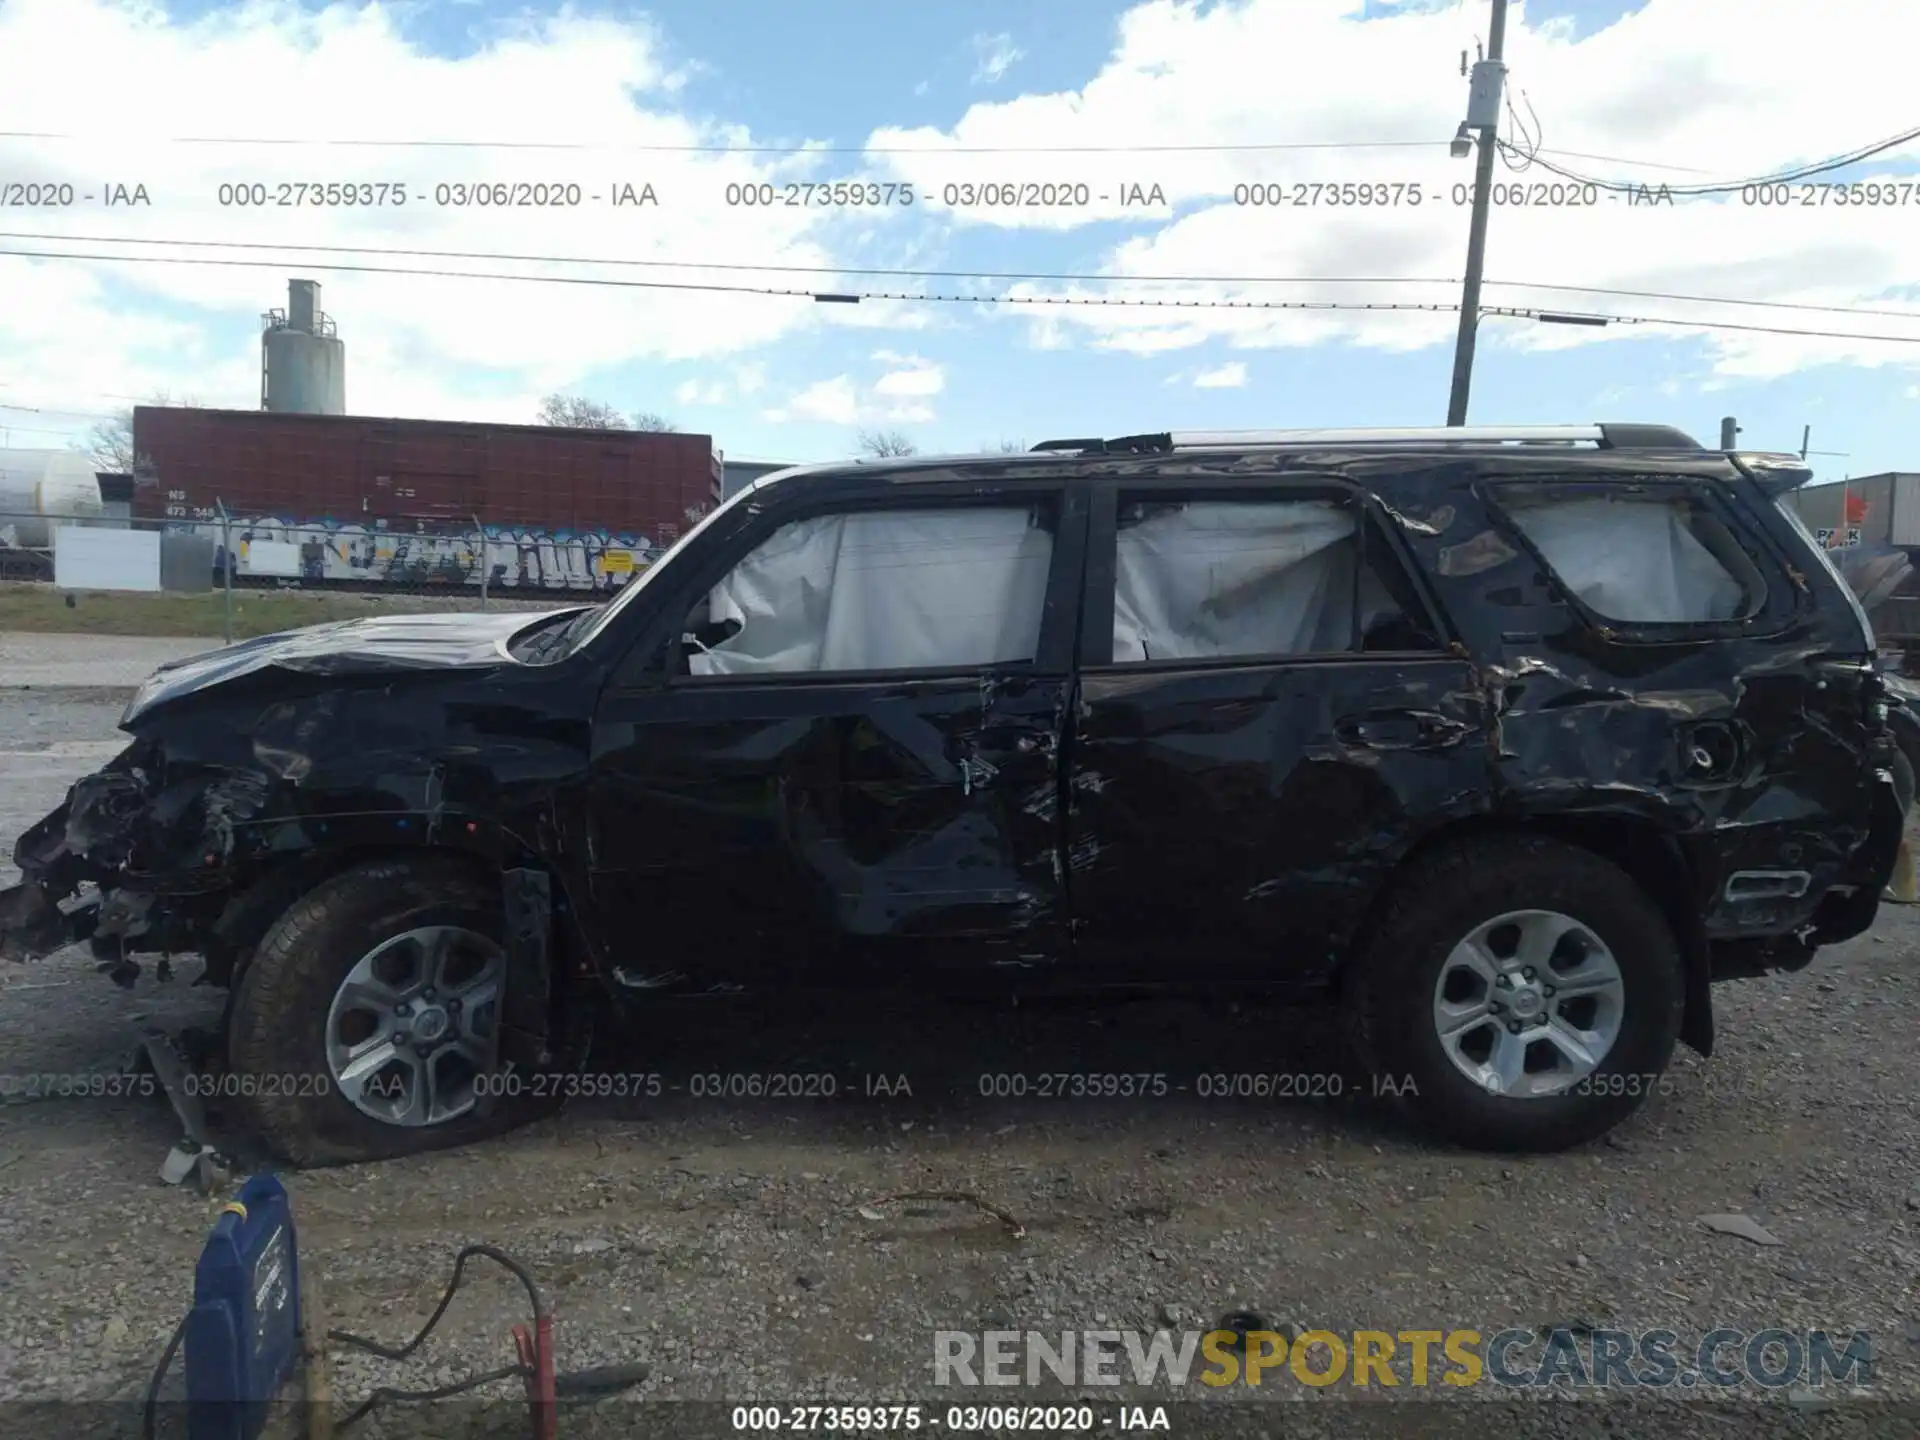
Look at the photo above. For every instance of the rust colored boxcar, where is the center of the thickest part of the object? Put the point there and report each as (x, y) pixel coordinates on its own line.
(421, 474)
(368, 501)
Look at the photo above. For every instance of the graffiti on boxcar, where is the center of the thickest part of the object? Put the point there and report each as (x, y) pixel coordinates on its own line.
(516, 557)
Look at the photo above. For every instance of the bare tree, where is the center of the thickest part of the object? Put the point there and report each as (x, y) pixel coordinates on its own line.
(884, 443)
(109, 444)
(576, 412)
(1006, 447)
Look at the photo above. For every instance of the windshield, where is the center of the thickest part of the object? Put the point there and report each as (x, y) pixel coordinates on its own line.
(582, 631)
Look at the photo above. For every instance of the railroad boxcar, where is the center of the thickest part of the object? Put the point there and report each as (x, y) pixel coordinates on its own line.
(349, 499)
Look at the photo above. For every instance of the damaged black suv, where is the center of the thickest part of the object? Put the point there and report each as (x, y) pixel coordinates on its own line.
(1507, 743)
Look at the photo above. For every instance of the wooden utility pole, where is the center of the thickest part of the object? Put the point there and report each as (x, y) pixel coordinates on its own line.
(1483, 114)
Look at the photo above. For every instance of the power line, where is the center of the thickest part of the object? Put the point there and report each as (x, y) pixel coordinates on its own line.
(1065, 277)
(1053, 301)
(1784, 177)
(8, 425)
(45, 410)
(645, 149)
(718, 288)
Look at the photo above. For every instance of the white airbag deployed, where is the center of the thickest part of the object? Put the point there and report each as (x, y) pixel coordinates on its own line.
(1632, 560)
(887, 590)
(1227, 578)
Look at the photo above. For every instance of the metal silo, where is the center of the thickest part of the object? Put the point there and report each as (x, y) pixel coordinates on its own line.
(303, 363)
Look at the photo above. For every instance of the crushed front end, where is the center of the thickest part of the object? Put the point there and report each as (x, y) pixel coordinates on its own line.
(140, 858)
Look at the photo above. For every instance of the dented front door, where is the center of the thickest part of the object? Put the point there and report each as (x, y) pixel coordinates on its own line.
(825, 829)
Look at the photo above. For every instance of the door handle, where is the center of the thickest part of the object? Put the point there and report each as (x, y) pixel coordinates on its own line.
(1400, 729)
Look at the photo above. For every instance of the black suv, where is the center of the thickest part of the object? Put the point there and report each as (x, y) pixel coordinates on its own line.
(1508, 743)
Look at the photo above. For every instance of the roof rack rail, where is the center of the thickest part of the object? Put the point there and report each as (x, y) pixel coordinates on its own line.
(1125, 445)
(1602, 437)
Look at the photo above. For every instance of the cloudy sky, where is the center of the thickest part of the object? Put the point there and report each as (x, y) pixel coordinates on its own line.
(1070, 159)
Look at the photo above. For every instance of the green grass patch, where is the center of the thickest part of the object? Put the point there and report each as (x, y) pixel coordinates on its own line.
(44, 609)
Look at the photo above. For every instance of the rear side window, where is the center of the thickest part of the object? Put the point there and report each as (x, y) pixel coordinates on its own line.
(1220, 579)
(1646, 559)
(908, 589)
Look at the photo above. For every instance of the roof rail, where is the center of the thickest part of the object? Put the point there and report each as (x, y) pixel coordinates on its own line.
(1602, 437)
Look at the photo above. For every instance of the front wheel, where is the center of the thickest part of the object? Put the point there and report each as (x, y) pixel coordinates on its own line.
(368, 1024)
(1530, 991)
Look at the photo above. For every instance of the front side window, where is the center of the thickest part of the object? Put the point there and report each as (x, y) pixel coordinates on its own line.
(907, 589)
(1641, 558)
(1219, 579)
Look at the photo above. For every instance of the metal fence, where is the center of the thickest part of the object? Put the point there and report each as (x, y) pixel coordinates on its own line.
(259, 574)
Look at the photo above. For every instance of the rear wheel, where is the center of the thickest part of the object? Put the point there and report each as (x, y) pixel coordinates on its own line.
(368, 1023)
(1522, 994)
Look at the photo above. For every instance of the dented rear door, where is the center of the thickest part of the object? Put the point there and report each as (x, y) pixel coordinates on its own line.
(837, 829)
(1233, 816)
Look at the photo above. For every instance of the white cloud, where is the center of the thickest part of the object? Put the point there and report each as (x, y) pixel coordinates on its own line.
(995, 55)
(701, 392)
(1667, 85)
(897, 397)
(836, 401)
(1231, 376)
(912, 377)
(415, 345)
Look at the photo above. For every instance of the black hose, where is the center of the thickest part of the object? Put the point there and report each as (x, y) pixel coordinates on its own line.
(499, 1257)
(459, 1387)
(148, 1410)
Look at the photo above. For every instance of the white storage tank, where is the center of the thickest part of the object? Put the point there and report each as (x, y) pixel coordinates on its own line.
(39, 485)
(303, 362)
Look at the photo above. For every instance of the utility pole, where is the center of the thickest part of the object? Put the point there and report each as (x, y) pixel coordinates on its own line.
(1728, 430)
(1483, 114)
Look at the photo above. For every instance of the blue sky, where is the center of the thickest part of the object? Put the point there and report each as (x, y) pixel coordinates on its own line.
(932, 96)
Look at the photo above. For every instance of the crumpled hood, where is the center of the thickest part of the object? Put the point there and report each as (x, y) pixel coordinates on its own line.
(348, 647)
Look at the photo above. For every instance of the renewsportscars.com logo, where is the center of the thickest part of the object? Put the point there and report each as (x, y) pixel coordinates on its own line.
(1520, 1359)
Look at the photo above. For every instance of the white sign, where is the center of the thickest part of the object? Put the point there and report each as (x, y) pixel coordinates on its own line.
(270, 557)
(1829, 537)
(90, 558)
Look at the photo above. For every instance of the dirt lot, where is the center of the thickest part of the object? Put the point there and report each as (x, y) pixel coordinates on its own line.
(723, 1240)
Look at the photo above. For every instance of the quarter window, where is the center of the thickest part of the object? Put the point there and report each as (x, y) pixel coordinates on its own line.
(1640, 558)
(908, 589)
(1218, 579)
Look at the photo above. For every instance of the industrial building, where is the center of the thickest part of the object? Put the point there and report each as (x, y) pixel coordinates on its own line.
(1873, 518)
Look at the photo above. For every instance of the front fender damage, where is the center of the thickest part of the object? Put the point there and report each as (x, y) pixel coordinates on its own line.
(140, 856)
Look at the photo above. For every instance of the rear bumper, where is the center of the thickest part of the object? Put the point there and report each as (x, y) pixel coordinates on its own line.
(1843, 914)
(1782, 892)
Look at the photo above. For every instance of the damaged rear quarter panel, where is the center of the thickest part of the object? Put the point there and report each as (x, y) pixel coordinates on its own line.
(1749, 749)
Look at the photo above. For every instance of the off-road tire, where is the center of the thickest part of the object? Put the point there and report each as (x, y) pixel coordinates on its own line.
(276, 1028)
(1443, 898)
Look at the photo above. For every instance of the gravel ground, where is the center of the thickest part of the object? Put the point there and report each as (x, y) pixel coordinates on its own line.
(724, 1241)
